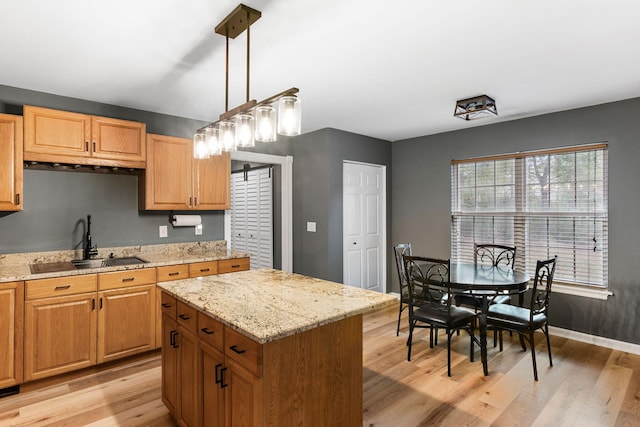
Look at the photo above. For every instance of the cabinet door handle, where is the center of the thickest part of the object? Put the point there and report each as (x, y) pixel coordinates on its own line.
(18, 199)
(184, 317)
(172, 339)
(86, 146)
(94, 146)
(222, 383)
(165, 305)
(62, 288)
(236, 350)
(128, 279)
(218, 373)
(174, 273)
(100, 303)
(93, 304)
(196, 200)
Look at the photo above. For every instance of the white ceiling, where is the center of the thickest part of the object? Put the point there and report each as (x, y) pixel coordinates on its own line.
(390, 70)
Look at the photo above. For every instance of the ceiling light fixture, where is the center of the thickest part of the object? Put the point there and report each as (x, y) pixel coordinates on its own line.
(251, 121)
(476, 107)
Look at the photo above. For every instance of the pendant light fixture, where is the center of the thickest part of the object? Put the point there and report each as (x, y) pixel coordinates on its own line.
(251, 121)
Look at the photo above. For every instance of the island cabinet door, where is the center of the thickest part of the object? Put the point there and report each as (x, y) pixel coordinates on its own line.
(190, 394)
(243, 397)
(170, 352)
(214, 386)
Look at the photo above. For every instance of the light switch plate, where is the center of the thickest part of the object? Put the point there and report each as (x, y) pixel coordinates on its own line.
(311, 227)
(198, 229)
(162, 231)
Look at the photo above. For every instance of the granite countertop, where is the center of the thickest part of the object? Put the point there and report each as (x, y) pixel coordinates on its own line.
(266, 304)
(16, 267)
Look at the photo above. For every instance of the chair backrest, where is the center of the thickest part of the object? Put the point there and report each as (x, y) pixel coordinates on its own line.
(428, 279)
(541, 291)
(494, 255)
(400, 250)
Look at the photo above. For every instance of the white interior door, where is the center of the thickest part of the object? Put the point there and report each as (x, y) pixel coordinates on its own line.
(364, 226)
(252, 215)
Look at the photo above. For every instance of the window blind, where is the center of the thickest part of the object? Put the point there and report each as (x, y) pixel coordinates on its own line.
(546, 203)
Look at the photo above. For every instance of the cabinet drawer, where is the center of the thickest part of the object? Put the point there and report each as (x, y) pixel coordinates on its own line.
(187, 317)
(229, 265)
(211, 331)
(123, 279)
(60, 286)
(206, 268)
(172, 272)
(168, 305)
(243, 350)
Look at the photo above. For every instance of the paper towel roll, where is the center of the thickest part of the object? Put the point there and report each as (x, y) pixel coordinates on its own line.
(186, 220)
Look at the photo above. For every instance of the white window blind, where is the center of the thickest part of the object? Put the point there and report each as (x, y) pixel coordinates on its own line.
(546, 203)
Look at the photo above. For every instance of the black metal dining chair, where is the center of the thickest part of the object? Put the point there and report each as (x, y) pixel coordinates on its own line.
(400, 250)
(525, 321)
(491, 255)
(434, 308)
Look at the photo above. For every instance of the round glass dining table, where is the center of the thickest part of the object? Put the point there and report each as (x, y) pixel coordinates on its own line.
(485, 282)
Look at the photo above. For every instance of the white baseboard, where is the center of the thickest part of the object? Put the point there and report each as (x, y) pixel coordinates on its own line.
(596, 340)
(586, 338)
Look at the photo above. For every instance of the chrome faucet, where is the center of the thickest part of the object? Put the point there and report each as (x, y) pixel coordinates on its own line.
(89, 250)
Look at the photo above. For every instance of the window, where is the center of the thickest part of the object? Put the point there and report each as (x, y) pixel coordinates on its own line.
(546, 203)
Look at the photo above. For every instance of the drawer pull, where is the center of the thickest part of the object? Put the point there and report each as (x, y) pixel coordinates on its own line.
(204, 270)
(184, 317)
(235, 266)
(62, 288)
(128, 279)
(165, 305)
(218, 373)
(235, 349)
(207, 331)
(174, 274)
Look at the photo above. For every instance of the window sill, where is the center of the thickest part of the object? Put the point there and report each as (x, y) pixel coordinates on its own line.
(581, 291)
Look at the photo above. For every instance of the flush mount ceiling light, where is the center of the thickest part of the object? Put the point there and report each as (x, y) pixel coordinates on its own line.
(476, 107)
(253, 120)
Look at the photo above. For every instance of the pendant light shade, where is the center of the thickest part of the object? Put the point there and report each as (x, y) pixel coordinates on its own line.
(265, 123)
(228, 135)
(244, 130)
(213, 140)
(289, 116)
(200, 147)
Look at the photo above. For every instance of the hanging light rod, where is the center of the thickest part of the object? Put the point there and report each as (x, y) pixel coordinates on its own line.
(253, 120)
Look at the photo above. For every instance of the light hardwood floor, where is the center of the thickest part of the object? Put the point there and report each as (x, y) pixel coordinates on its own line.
(587, 386)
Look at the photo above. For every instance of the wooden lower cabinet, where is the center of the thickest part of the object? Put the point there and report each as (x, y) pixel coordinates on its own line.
(244, 397)
(213, 393)
(60, 335)
(11, 334)
(126, 322)
(189, 374)
(170, 351)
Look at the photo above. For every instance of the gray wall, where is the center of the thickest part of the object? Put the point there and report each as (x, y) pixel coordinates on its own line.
(422, 200)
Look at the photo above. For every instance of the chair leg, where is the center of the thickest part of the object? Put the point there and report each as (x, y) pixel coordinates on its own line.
(399, 315)
(546, 332)
(409, 340)
(449, 333)
(522, 344)
(471, 328)
(533, 355)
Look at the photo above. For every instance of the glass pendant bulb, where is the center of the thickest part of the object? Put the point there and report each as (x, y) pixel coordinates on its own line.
(265, 123)
(200, 148)
(213, 140)
(227, 135)
(244, 130)
(289, 116)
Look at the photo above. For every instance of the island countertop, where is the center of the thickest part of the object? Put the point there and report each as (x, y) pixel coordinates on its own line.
(266, 305)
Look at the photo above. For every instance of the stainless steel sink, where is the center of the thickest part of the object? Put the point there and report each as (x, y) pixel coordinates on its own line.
(81, 264)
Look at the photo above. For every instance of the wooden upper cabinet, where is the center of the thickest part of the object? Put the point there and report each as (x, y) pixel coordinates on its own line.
(174, 180)
(65, 137)
(11, 181)
(213, 182)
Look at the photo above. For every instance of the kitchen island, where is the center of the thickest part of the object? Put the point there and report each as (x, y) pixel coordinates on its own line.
(264, 348)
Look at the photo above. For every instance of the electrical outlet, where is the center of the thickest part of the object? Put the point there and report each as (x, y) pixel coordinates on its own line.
(311, 227)
(162, 231)
(198, 229)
